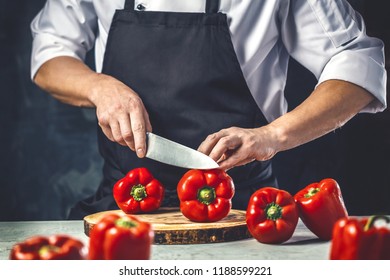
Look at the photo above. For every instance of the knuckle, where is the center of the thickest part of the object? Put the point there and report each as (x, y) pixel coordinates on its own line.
(134, 102)
(116, 107)
(112, 110)
(211, 136)
(225, 141)
(223, 131)
(127, 135)
(118, 138)
(232, 130)
(138, 127)
(103, 120)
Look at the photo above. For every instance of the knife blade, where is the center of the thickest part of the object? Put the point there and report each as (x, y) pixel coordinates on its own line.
(172, 153)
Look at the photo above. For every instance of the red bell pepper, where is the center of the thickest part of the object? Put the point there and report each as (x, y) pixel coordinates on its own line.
(120, 237)
(55, 247)
(320, 205)
(271, 215)
(138, 192)
(359, 239)
(205, 195)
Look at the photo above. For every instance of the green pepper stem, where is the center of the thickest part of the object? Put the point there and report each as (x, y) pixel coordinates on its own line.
(44, 250)
(138, 192)
(206, 195)
(311, 192)
(273, 211)
(373, 219)
(125, 222)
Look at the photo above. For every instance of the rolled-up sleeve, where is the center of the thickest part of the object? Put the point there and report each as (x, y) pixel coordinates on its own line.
(329, 38)
(62, 28)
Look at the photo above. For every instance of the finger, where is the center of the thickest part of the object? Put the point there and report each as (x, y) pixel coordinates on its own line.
(224, 145)
(116, 133)
(107, 131)
(208, 144)
(126, 131)
(237, 158)
(138, 126)
(225, 156)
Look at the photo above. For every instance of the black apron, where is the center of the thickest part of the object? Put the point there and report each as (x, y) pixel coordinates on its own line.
(184, 68)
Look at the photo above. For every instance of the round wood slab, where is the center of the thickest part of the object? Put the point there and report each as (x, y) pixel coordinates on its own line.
(171, 227)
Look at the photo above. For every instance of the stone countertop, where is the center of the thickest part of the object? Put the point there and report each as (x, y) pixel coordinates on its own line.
(303, 245)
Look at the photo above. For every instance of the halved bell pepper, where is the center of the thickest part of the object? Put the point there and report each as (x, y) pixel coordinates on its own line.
(205, 195)
(360, 239)
(271, 216)
(120, 237)
(55, 247)
(138, 192)
(320, 205)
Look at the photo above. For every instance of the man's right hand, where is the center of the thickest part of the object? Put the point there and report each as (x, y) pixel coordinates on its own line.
(121, 113)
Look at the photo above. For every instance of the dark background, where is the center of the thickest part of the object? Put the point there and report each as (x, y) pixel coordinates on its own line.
(48, 151)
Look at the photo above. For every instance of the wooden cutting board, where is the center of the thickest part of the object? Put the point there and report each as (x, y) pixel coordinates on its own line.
(171, 227)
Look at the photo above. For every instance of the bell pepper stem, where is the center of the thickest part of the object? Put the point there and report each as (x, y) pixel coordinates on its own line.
(44, 250)
(373, 219)
(273, 211)
(138, 192)
(206, 195)
(311, 192)
(125, 223)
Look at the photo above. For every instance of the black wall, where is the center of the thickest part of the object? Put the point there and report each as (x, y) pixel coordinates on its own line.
(48, 151)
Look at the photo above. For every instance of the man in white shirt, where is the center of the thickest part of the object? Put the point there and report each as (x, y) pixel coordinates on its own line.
(209, 74)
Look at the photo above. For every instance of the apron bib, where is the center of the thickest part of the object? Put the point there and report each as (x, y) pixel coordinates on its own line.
(185, 69)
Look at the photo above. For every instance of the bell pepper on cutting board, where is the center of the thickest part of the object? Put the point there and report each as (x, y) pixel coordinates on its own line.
(320, 205)
(205, 195)
(54, 247)
(138, 192)
(271, 215)
(120, 237)
(359, 239)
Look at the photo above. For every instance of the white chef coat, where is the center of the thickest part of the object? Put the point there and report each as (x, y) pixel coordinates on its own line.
(326, 36)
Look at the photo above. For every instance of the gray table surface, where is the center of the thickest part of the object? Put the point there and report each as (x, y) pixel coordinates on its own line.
(303, 245)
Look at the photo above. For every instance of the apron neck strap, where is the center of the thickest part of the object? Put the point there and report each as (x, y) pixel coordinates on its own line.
(211, 6)
(129, 5)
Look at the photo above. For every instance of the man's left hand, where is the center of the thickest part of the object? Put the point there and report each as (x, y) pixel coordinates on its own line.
(238, 146)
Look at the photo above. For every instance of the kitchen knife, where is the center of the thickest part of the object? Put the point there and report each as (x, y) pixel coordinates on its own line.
(172, 153)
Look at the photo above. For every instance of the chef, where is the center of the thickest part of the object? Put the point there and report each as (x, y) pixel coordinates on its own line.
(208, 74)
